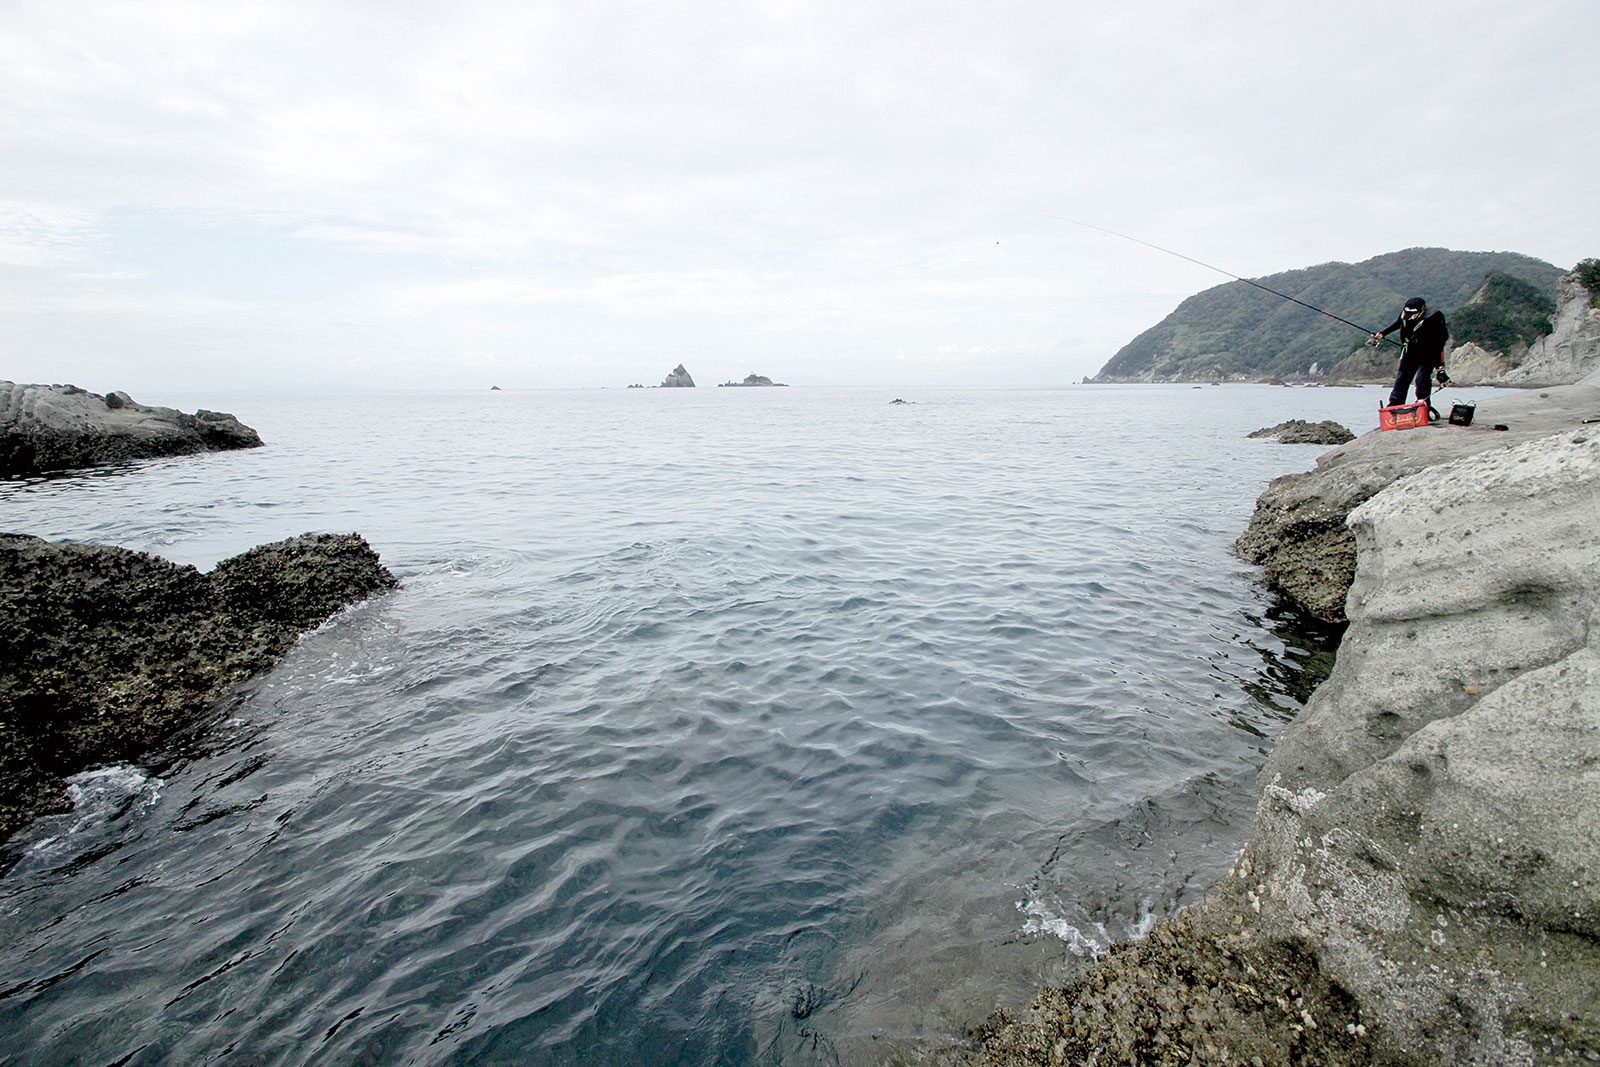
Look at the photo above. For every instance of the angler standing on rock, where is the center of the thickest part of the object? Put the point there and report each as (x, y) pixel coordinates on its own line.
(1422, 338)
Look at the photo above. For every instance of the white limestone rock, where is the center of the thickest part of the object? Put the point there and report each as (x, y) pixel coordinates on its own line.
(1571, 352)
(1471, 364)
(1430, 823)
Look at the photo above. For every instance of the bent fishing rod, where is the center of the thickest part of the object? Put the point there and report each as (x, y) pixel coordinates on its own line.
(1207, 266)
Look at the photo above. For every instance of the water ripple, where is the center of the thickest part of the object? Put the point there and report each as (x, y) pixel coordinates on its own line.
(707, 729)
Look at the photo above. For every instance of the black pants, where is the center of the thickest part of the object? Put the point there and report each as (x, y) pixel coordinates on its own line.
(1412, 367)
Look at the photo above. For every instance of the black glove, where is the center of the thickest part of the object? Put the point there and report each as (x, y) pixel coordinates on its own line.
(1441, 376)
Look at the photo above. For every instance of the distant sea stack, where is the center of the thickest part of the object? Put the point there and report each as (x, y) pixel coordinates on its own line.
(105, 652)
(678, 379)
(753, 380)
(61, 427)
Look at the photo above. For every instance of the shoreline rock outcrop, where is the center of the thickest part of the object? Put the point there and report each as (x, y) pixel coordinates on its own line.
(61, 427)
(107, 652)
(1301, 432)
(1429, 825)
(1298, 533)
(1472, 364)
(1422, 886)
(1571, 351)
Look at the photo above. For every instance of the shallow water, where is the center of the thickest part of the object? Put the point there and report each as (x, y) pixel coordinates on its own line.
(707, 726)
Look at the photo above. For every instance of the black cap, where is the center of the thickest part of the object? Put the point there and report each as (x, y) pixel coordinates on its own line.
(1416, 303)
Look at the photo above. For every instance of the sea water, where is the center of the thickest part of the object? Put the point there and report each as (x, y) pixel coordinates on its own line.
(716, 726)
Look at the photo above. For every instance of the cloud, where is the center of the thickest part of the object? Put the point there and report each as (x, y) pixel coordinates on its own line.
(43, 234)
(630, 179)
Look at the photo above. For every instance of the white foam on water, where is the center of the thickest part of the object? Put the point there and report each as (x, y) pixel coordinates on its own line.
(101, 796)
(1043, 920)
(100, 799)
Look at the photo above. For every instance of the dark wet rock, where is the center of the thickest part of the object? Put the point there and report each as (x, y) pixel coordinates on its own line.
(61, 427)
(1199, 990)
(678, 379)
(106, 652)
(1301, 432)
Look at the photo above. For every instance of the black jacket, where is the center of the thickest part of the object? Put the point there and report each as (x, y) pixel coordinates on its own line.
(1424, 341)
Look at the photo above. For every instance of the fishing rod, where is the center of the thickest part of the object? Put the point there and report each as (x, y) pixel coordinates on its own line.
(1207, 266)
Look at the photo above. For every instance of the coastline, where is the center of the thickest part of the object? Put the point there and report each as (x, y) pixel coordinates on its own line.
(289, 705)
(1424, 879)
(1292, 977)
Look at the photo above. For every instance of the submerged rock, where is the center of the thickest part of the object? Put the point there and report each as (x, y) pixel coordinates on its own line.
(106, 652)
(1301, 432)
(60, 427)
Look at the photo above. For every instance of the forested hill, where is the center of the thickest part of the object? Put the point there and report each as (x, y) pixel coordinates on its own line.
(1236, 331)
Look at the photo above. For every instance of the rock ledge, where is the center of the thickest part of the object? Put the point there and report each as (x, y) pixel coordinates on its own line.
(1298, 533)
(61, 427)
(107, 652)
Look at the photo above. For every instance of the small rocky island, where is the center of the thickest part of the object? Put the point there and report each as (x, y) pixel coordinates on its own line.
(105, 653)
(753, 380)
(62, 427)
(678, 379)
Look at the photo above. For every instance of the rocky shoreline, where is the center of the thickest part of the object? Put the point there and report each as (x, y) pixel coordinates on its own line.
(1298, 533)
(1423, 883)
(109, 652)
(62, 427)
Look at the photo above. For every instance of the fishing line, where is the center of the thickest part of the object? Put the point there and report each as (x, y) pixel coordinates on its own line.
(1207, 266)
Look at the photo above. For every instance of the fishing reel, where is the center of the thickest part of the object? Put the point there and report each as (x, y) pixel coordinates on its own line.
(1374, 340)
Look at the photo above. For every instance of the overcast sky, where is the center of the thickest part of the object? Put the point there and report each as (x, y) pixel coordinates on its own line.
(220, 195)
